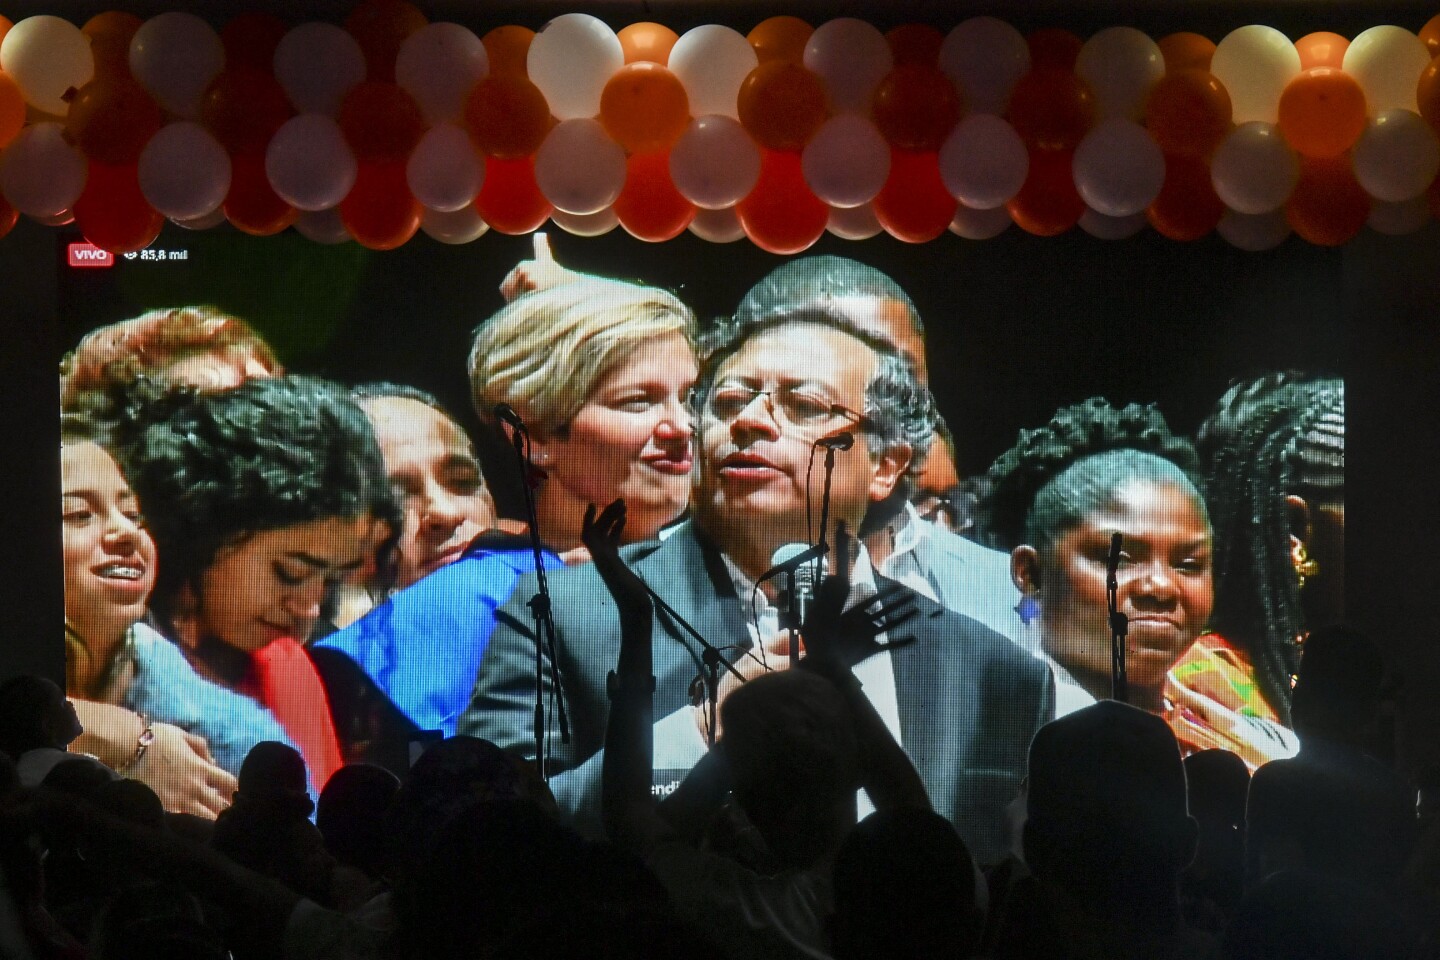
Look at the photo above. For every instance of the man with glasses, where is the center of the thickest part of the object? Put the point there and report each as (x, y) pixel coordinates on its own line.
(961, 700)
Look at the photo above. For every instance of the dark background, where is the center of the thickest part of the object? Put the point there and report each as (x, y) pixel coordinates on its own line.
(1016, 324)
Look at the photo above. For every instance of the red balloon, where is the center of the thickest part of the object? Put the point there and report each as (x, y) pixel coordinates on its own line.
(1053, 47)
(380, 27)
(649, 206)
(509, 199)
(251, 205)
(1048, 204)
(781, 215)
(110, 34)
(916, 43)
(1187, 207)
(111, 119)
(914, 205)
(250, 40)
(381, 121)
(915, 107)
(1328, 206)
(379, 211)
(112, 213)
(8, 216)
(243, 108)
(1052, 109)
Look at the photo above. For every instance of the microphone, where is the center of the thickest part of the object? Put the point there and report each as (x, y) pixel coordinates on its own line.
(505, 412)
(843, 440)
(795, 557)
(1112, 562)
(791, 556)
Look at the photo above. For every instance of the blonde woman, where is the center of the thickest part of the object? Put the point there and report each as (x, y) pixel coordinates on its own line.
(601, 372)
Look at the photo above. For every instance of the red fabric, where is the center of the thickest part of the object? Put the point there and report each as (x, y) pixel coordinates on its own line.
(287, 683)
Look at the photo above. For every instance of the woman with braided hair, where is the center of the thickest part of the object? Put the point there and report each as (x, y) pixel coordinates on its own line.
(1057, 498)
(1274, 465)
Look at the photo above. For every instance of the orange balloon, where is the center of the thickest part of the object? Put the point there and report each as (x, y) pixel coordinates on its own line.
(647, 41)
(782, 104)
(1322, 49)
(250, 40)
(1186, 51)
(380, 26)
(1322, 112)
(243, 107)
(5, 25)
(1188, 113)
(780, 38)
(381, 121)
(1427, 93)
(1328, 206)
(781, 215)
(1429, 35)
(507, 49)
(915, 43)
(8, 214)
(110, 35)
(1187, 207)
(251, 205)
(1053, 47)
(644, 107)
(507, 115)
(509, 199)
(1048, 204)
(649, 206)
(112, 213)
(915, 107)
(1051, 109)
(12, 109)
(111, 120)
(379, 211)
(914, 205)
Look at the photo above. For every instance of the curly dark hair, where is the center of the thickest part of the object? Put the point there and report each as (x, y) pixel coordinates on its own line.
(898, 407)
(1058, 473)
(212, 469)
(1268, 437)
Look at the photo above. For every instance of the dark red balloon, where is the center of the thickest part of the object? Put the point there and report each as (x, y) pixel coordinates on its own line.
(509, 200)
(379, 211)
(112, 213)
(250, 40)
(243, 107)
(914, 205)
(1048, 204)
(781, 215)
(251, 205)
(649, 206)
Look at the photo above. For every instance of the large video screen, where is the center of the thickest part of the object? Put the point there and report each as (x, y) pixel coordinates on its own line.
(293, 507)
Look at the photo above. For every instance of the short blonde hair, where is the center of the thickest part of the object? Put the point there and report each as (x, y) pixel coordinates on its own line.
(544, 353)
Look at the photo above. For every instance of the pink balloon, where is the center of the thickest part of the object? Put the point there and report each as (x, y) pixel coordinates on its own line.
(717, 226)
(714, 164)
(184, 171)
(444, 171)
(854, 223)
(40, 173)
(309, 163)
(847, 161)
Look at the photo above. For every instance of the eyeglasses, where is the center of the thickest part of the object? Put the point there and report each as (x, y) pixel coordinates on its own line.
(804, 409)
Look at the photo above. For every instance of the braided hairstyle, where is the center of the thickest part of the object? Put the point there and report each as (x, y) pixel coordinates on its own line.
(1058, 474)
(1270, 437)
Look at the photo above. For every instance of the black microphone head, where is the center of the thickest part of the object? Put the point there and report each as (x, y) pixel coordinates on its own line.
(505, 412)
(783, 556)
(843, 440)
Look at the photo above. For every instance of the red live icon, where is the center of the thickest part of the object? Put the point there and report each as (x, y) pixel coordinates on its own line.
(89, 255)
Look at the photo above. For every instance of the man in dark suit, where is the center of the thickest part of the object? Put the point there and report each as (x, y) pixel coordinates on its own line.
(961, 699)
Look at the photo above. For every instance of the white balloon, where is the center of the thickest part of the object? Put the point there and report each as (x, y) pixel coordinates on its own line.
(579, 168)
(984, 57)
(323, 226)
(1254, 171)
(40, 173)
(711, 62)
(587, 224)
(444, 171)
(46, 56)
(212, 219)
(1397, 156)
(457, 226)
(317, 64)
(847, 161)
(175, 56)
(852, 57)
(717, 226)
(1255, 63)
(184, 171)
(439, 65)
(1387, 62)
(570, 60)
(1119, 168)
(984, 162)
(980, 224)
(854, 223)
(1398, 219)
(714, 164)
(309, 163)
(1102, 227)
(1254, 231)
(1121, 64)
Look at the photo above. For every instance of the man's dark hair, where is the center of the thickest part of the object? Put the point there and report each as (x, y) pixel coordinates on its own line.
(814, 281)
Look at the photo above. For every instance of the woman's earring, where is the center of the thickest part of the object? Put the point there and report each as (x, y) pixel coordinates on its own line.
(1305, 565)
(1028, 608)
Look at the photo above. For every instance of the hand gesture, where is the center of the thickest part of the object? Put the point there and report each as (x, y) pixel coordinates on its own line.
(540, 273)
(838, 639)
(601, 536)
(179, 768)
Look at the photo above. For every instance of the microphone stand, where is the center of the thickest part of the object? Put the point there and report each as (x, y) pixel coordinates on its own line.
(1119, 626)
(823, 546)
(540, 609)
(711, 657)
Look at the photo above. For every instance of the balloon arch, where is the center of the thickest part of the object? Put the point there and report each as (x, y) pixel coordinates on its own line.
(392, 124)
